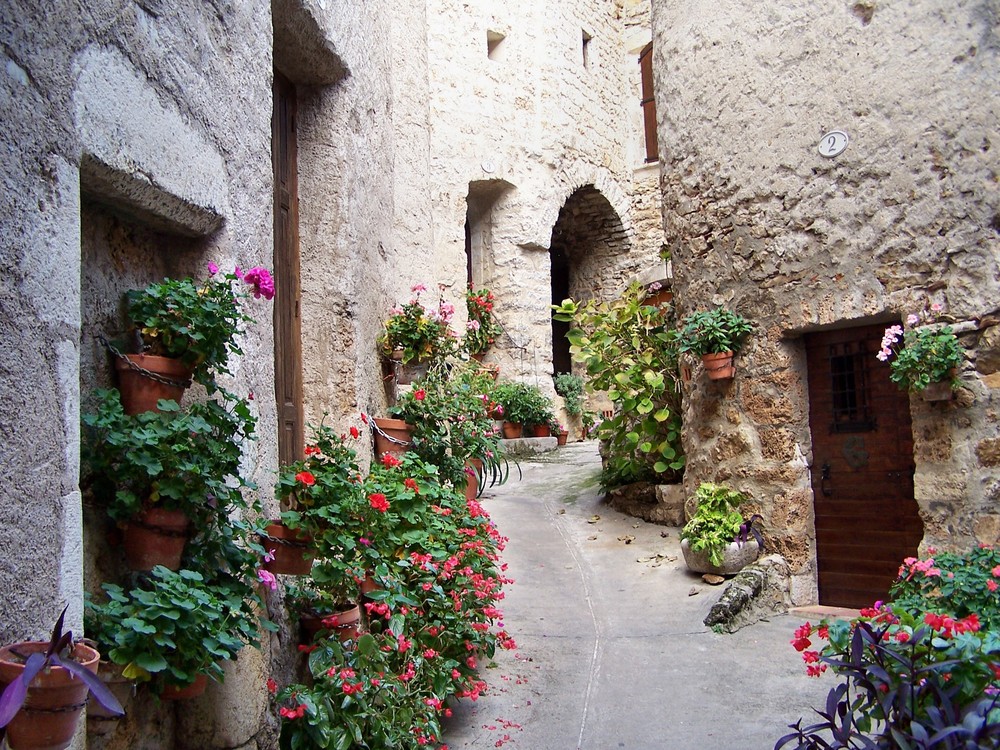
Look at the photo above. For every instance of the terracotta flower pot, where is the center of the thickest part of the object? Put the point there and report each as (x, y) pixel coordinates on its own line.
(512, 430)
(562, 437)
(472, 485)
(48, 719)
(291, 550)
(173, 692)
(100, 721)
(541, 430)
(345, 623)
(156, 537)
(391, 435)
(139, 391)
(719, 366)
(940, 391)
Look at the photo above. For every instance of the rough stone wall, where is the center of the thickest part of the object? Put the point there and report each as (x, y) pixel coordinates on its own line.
(758, 220)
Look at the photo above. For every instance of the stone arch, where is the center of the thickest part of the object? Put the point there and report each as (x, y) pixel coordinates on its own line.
(587, 237)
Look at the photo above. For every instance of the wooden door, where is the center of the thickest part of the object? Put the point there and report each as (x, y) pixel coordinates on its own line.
(862, 474)
(287, 296)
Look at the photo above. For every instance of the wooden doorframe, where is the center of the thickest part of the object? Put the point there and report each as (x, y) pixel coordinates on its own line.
(288, 294)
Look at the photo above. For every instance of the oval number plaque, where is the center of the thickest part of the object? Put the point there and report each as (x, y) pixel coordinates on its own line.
(833, 144)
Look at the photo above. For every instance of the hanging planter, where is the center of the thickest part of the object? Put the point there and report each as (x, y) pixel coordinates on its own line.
(289, 550)
(156, 537)
(345, 623)
(172, 692)
(391, 435)
(144, 379)
(719, 366)
(101, 721)
(409, 373)
(940, 391)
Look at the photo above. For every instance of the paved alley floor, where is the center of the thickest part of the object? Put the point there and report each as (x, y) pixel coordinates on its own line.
(612, 652)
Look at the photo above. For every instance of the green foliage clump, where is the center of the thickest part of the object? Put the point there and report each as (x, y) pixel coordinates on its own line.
(523, 403)
(629, 350)
(713, 332)
(717, 521)
(571, 388)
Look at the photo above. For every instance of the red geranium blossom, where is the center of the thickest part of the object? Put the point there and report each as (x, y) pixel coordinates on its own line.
(378, 502)
(306, 478)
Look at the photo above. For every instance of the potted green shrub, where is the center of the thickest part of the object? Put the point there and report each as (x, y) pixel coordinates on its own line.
(924, 359)
(175, 627)
(179, 329)
(570, 387)
(160, 472)
(718, 538)
(52, 679)
(415, 335)
(523, 405)
(715, 335)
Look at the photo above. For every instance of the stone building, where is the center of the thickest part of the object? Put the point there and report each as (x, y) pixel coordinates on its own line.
(823, 253)
(433, 142)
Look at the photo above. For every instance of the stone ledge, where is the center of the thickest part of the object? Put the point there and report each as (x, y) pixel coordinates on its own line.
(759, 590)
(528, 446)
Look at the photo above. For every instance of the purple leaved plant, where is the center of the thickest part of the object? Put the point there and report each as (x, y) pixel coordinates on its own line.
(16, 692)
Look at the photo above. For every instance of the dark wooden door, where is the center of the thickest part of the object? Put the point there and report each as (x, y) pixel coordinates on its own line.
(287, 296)
(862, 474)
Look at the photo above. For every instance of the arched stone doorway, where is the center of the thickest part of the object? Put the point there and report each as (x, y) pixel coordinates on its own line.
(586, 237)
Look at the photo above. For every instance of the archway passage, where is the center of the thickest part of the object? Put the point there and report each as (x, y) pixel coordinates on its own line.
(586, 236)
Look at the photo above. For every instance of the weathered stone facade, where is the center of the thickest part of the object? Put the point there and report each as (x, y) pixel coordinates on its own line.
(137, 144)
(758, 220)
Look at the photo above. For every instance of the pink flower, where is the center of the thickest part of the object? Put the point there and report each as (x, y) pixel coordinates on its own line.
(267, 578)
(420, 394)
(992, 585)
(261, 281)
(418, 288)
(912, 320)
(472, 325)
(269, 555)
(936, 307)
(212, 269)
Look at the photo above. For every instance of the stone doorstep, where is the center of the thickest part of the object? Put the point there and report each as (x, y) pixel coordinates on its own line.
(821, 610)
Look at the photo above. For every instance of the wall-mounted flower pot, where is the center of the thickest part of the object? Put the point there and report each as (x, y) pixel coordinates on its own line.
(734, 559)
(346, 624)
(48, 719)
(940, 391)
(718, 366)
(290, 550)
(101, 721)
(512, 430)
(474, 465)
(156, 537)
(391, 435)
(173, 692)
(405, 374)
(144, 379)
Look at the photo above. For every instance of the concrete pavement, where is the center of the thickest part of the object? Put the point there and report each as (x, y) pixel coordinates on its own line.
(612, 652)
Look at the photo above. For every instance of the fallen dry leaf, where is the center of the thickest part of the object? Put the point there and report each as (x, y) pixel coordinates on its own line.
(593, 519)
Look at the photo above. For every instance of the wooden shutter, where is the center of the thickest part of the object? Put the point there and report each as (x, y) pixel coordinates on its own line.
(648, 102)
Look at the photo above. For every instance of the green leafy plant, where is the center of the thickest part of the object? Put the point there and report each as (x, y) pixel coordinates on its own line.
(418, 333)
(482, 328)
(523, 403)
(713, 332)
(185, 460)
(921, 356)
(174, 624)
(449, 411)
(629, 351)
(198, 323)
(906, 681)
(570, 387)
(957, 584)
(717, 522)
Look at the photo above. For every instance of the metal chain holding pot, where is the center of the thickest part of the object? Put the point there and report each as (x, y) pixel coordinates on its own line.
(186, 383)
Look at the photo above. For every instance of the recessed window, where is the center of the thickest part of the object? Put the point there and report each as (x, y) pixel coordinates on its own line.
(495, 45)
(586, 49)
(648, 102)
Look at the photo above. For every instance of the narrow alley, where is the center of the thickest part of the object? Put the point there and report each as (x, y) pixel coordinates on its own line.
(612, 652)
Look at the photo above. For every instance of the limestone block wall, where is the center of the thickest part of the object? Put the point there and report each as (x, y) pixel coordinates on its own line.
(758, 220)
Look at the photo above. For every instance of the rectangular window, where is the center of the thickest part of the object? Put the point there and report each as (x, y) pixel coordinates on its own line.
(586, 49)
(849, 387)
(648, 103)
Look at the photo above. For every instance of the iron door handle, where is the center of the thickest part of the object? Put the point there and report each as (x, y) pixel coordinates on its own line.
(824, 479)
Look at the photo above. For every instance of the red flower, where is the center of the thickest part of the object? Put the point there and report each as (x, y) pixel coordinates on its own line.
(389, 461)
(312, 450)
(355, 432)
(411, 484)
(420, 394)
(364, 417)
(306, 478)
(378, 502)
(293, 713)
(272, 686)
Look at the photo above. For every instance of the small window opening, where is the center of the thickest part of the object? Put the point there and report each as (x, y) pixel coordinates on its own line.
(586, 49)
(849, 388)
(494, 45)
